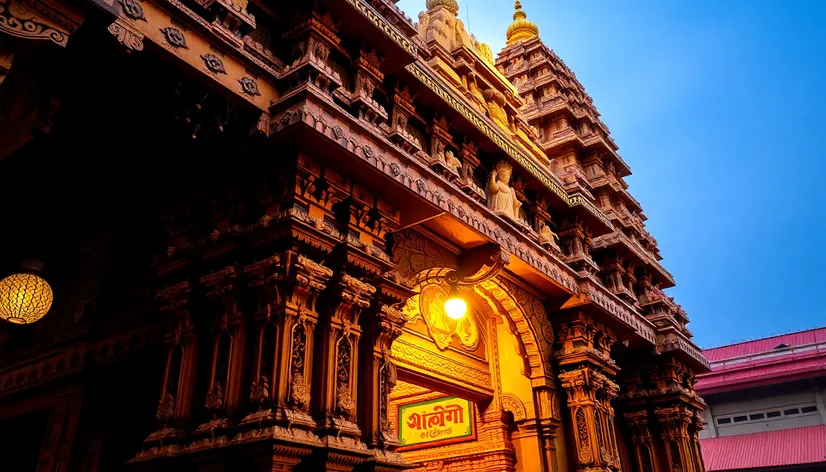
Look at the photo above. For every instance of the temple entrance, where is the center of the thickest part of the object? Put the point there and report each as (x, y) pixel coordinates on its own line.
(464, 398)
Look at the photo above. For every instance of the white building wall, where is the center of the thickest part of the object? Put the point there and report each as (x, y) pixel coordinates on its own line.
(783, 406)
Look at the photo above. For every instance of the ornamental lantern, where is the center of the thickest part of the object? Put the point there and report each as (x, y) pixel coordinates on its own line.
(25, 297)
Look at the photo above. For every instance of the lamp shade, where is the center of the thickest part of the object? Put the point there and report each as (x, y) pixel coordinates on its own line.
(24, 298)
(455, 305)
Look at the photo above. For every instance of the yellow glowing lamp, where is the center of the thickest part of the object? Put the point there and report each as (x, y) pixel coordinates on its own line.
(25, 297)
(455, 305)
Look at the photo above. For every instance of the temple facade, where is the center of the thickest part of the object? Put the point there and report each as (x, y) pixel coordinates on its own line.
(253, 212)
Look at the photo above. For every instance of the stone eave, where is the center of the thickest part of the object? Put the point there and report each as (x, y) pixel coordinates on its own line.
(483, 124)
(619, 240)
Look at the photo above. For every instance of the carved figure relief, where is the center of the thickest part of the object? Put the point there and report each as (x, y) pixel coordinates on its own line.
(548, 238)
(453, 163)
(429, 306)
(496, 103)
(502, 198)
(260, 391)
(215, 397)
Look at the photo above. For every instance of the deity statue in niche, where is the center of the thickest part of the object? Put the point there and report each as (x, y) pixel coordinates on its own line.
(429, 307)
(453, 163)
(548, 238)
(502, 198)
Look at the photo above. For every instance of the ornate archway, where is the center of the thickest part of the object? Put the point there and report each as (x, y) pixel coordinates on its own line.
(523, 330)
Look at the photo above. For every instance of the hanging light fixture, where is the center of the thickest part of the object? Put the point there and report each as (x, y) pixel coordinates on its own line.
(455, 305)
(25, 297)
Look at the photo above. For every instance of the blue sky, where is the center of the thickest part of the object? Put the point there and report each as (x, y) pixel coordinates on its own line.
(718, 106)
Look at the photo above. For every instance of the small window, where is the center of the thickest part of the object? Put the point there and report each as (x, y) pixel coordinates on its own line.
(808, 409)
(772, 414)
(723, 420)
(757, 416)
(740, 419)
(791, 411)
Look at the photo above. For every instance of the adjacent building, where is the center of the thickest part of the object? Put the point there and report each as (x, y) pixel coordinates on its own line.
(765, 408)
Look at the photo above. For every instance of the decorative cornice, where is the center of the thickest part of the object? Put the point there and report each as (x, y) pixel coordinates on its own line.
(435, 84)
(381, 23)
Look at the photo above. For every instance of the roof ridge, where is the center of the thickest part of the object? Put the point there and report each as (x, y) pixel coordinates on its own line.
(764, 338)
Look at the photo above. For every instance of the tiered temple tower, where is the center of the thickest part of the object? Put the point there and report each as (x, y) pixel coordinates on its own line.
(254, 212)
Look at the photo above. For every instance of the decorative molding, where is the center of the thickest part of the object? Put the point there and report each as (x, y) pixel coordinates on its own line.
(214, 63)
(36, 19)
(381, 23)
(503, 142)
(130, 37)
(410, 356)
(174, 37)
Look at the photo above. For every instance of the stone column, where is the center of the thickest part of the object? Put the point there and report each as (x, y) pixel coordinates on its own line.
(336, 359)
(642, 440)
(56, 453)
(287, 286)
(382, 324)
(224, 385)
(178, 386)
(585, 365)
(679, 435)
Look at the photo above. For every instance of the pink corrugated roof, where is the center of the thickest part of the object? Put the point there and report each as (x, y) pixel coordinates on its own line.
(757, 346)
(767, 449)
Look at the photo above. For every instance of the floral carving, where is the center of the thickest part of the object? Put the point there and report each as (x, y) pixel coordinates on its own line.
(215, 398)
(214, 63)
(174, 37)
(133, 9)
(300, 393)
(260, 391)
(166, 408)
(585, 455)
(249, 86)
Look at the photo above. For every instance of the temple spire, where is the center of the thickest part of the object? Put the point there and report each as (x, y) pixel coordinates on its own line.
(521, 29)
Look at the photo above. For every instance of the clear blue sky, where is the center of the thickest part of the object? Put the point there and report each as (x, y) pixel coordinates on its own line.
(720, 109)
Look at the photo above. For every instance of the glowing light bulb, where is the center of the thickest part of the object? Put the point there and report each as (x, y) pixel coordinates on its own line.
(455, 305)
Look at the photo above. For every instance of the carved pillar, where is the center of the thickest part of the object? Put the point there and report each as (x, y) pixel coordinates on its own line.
(399, 132)
(336, 360)
(224, 387)
(286, 287)
(548, 421)
(585, 362)
(382, 325)
(679, 434)
(56, 452)
(642, 440)
(442, 158)
(178, 386)
(368, 77)
(470, 158)
(576, 243)
(312, 41)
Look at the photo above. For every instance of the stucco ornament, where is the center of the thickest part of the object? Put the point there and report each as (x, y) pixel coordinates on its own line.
(501, 196)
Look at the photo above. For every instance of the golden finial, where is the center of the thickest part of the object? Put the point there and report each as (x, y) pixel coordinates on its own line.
(521, 29)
